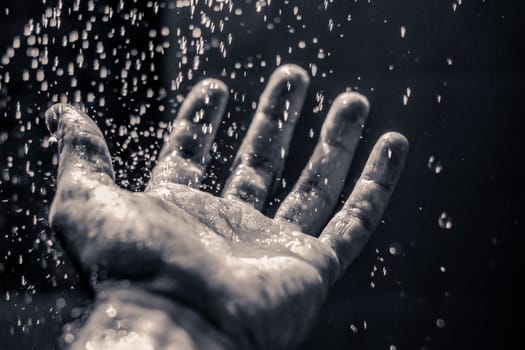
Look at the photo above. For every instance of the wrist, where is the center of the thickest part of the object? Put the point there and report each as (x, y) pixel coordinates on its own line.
(132, 318)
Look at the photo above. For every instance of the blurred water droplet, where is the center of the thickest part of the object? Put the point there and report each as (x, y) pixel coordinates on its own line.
(111, 312)
(395, 248)
(53, 138)
(434, 164)
(69, 338)
(445, 221)
(196, 33)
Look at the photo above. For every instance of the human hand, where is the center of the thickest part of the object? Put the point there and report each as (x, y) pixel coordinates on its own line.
(257, 282)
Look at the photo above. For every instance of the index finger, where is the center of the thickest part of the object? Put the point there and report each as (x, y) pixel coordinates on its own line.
(185, 154)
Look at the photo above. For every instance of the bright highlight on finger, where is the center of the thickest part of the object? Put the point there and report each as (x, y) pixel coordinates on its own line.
(260, 158)
(315, 194)
(186, 153)
(349, 230)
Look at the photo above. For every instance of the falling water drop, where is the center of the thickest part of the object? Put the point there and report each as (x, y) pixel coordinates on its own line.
(395, 248)
(434, 165)
(445, 221)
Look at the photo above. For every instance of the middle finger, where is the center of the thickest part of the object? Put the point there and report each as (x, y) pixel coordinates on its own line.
(260, 158)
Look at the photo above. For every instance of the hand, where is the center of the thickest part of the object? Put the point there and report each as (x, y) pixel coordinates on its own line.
(215, 268)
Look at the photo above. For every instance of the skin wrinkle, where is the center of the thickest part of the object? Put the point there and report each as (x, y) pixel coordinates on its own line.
(233, 268)
(248, 281)
(233, 217)
(347, 241)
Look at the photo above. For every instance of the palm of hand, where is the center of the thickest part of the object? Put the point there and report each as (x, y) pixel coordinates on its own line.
(259, 279)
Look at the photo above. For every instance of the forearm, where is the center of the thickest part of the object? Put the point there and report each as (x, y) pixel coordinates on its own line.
(129, 318)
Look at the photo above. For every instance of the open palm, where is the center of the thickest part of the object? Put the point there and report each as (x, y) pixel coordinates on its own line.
(260, 281)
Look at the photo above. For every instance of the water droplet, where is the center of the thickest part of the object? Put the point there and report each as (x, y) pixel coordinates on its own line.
(60, 303)
(395, 248)
(353, 328)
(445, 221)
(196, 33)
(69, 338)
(111, 312)
(434, 164)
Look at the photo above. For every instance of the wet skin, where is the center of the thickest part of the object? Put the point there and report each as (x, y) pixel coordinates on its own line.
(179, 268)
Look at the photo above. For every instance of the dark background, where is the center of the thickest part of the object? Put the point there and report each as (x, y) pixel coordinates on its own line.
(445, 288)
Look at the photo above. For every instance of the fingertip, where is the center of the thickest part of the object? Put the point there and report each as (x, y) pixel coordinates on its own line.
(291, 73)
(207, 93)
(216, 87)
(345, 120)
(64, 115)
(350, 97)
(388, 157)
(396, 142)
(52, 115)
(353, 106)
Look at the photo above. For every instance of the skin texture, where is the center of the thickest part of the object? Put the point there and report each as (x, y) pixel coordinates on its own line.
(177, 268)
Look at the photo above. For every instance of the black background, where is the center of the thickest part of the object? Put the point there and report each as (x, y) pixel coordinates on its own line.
(473, 131)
